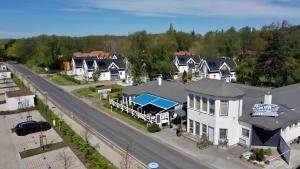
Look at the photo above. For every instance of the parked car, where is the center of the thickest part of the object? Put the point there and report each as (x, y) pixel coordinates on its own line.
(29, 127)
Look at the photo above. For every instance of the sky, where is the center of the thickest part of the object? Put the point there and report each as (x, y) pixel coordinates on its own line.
(27, 18)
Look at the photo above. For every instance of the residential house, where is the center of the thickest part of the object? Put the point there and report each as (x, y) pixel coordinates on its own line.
(88, 68)
(186, 61)
(19, 99)
(4, 72)
(110, 69)
(218, 68)
(77, 66)
(230, 114)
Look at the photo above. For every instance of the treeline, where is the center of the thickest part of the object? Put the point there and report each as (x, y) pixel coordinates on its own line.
(266, 57)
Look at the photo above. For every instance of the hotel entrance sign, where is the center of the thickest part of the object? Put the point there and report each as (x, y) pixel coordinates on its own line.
(267, 110)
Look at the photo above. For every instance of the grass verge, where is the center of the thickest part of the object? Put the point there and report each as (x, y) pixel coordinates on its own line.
(131, 120)
(92, 92)
(60, 80)
(40, 150)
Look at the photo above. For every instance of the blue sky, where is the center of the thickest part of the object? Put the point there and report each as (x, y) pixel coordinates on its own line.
(26, 18)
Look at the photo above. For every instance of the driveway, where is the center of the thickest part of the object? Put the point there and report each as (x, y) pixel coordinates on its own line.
(9, 154)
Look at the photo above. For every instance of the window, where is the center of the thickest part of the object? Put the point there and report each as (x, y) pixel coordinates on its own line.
(191, 104)
(204, 104)
(191, 126)
(204, 129)
(224, 108)
(211, 106)
(245, 133)
(197, 124)
(223, 133)
(198, 102)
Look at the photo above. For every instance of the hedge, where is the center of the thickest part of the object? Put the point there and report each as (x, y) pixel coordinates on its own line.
(152, 128)
(89, 154)
(17, 111)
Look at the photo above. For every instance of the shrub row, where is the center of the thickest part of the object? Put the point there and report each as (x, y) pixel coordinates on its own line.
(70, 78)
(152, 128)
(17, 111)
(89, 153)
(18, 82)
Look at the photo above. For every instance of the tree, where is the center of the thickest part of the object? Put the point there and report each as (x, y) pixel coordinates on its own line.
(96, 74)
(272, 61)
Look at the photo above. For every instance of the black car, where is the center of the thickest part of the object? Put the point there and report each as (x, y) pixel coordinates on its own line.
(29, 127)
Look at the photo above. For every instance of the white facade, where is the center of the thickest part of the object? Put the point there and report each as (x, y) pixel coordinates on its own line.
(5, 75)
(185, 67)
(106, 75)
(290, 132)
(21, 102)
(211, 121)
(76, 70)
(88, 74)
(206, 73)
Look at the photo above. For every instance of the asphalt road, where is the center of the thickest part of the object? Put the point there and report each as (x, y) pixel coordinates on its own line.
(143, 147)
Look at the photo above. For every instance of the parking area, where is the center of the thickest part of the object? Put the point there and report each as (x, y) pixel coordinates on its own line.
(57, 159)
(12, 145)
(30, 141)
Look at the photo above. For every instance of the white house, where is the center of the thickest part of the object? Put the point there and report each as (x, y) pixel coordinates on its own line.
(77, 66)
(218, 68)
(188, 63)
(19, 99)
(230, 114)
(110, 69)
(88, 68)
(5, 74)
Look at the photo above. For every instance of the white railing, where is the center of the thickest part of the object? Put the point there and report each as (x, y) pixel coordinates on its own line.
(128, 110)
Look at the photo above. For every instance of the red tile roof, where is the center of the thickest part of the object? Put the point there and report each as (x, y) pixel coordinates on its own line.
(98, 54)
(18, 93)
(184, 53)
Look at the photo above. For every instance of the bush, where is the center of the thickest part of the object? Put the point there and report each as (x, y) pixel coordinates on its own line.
(260, 156)
(152, 128)
(93, 89)
(268, 152)
(252, 157)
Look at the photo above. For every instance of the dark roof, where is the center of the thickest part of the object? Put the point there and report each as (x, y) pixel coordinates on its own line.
(78, 62)
(18, 93)
(103, 64)
(287, 98)
(169, 90)
(114, 71)
(217, 88)
(214, 64)
(183, 59)
(225, 72)
(89, 63)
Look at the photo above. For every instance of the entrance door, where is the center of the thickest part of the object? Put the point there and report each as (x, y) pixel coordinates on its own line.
(211, 134)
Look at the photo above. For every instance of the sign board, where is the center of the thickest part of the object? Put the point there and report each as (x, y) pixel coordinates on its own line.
(104, 91)
(266, 110)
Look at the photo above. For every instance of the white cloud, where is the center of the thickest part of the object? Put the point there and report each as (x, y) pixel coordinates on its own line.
(226, 8)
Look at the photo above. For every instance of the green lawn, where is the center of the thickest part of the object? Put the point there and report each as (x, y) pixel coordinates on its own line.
(60, 80)
(40, 150)
(133, 121)
(92, 92)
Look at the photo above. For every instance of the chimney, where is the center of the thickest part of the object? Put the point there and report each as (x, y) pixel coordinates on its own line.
(268, 98)
(159, 78)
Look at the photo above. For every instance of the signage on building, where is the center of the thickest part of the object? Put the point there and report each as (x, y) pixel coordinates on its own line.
(268, 110)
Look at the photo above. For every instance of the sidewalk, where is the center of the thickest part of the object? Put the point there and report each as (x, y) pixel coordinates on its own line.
(9, 154)
(211, 156)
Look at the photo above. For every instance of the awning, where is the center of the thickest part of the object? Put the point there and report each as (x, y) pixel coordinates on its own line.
(146, 99)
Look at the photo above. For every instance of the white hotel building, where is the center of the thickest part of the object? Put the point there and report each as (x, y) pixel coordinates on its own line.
(224, 113)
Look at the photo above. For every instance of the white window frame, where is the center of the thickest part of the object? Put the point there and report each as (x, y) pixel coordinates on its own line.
(191, 126)
(221, 113)
(247, 137)
(193, 106)
(203, 103)
(214, 103)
